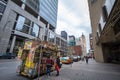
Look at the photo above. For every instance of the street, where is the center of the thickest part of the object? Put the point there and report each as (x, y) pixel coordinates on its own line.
(77, 71)
(82, 71)
(8, 70)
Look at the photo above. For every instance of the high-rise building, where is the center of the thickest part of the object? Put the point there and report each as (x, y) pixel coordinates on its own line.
(105, 24)
(72, 41)
(48, 11)
(26, 19)
(78, 41)
(64, 34)
(83, 45)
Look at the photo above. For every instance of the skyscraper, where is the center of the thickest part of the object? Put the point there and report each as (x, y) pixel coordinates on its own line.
(64, 34)
(48, 11)
(72, 41)
(83, 45)
(26, 19)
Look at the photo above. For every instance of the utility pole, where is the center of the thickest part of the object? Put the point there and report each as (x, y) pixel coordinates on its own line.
(40, 57)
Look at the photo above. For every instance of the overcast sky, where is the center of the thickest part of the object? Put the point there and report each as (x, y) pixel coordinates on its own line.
(73, 17)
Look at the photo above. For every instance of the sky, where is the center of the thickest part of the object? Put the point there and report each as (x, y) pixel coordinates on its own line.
(73, 17)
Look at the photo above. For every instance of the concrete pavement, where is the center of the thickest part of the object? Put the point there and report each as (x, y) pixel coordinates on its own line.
(78, 71)
(8, 70)
(82, 71)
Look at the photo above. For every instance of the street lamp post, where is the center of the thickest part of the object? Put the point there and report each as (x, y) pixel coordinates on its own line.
(40, 56)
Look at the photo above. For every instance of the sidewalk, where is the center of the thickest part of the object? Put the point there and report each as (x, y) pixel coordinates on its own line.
(82, 71)
(52, 77)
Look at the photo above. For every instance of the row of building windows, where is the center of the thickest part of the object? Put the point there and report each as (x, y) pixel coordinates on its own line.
(104, 17)
(46, 10)
(51, 37)
(4, 1)
(105, 12)
(2, 7)
(44, 7)
(34, 4)
(26, 26)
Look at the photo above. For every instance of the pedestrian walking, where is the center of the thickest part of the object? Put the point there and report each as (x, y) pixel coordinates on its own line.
(87, 58)
(49, 64)
(57, 65)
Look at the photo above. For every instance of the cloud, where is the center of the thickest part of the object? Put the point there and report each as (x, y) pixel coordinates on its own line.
(73, 17)
(65, 14)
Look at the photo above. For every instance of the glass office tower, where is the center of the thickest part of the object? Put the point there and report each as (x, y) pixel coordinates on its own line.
(26, 19)
(47, 9)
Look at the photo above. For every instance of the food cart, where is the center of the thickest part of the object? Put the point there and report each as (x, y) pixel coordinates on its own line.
(34, 56)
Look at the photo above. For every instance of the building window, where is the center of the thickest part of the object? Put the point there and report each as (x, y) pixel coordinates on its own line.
(97, 38)
(58, 41)
(25, 29)
(51, 38)
(104, 13)
(5, 1)
(100, 30)
(93, 1)
(0, 17)
(116, 28)
(27, 22)
(35, 30)
(2, 7)
(34, 4)
(21, 25)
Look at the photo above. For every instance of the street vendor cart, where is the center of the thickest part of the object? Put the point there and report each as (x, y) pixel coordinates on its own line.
(33, 57)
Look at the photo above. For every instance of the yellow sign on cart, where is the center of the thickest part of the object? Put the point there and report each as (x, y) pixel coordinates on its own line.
(28, 45)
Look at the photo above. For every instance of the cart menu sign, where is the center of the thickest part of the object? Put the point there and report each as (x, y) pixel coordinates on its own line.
(28, 45)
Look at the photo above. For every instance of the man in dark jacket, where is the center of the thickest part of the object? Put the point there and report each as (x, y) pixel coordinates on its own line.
(57, 65)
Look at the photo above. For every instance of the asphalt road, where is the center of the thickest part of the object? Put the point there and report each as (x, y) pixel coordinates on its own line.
(91, 71)
(8, 70)
(82, 71)
(76, 71)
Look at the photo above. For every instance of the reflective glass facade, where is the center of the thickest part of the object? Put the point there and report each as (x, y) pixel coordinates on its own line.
(51, 37)
(21, 26)
(26, 26)
(35, 30)
(48, 10)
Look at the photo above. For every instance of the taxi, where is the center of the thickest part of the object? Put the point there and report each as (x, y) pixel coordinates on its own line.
(66, 60)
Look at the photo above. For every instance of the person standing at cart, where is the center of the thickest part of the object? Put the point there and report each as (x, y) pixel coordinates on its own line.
(57, 65)
(49, 63)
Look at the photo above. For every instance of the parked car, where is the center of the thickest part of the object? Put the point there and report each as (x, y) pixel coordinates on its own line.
(66, 60)
(79, 58)
(7, 56)
(75, 58)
